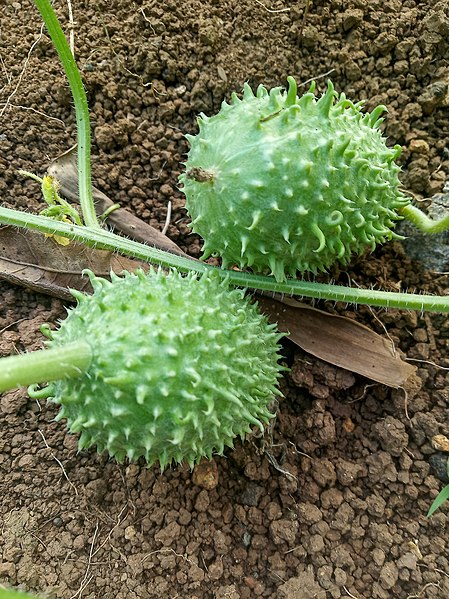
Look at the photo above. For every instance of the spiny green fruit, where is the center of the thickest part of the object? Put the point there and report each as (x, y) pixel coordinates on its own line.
(283, 184)
(181, 366)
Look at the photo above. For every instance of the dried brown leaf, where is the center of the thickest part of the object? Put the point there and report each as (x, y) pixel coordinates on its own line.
(37, 262)
(339, 341)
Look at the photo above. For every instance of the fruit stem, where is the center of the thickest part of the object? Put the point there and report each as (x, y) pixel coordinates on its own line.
(424, 222)
(13, 594)
(105, 240)
(81, 110)
(45, 365)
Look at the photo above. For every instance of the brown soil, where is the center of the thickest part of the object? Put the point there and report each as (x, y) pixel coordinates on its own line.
(332, 502)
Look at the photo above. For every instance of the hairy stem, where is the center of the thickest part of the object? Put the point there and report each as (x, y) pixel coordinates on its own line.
(81, 110)
(13, 594)
(45, 365)
(109, 241)
(423, 222)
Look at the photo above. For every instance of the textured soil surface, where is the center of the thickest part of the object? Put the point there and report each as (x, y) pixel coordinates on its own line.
(332, 502)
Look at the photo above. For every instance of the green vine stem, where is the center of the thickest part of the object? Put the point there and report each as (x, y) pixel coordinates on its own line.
(423, 222)
(101, 239)
(13, 594)
(43, 366)
(81, 110)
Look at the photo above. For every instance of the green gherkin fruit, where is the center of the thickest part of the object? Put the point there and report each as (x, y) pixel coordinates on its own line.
(180, 367)
(282, 184)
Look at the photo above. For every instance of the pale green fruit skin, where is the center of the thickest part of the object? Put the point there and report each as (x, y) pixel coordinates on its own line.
(282, 184)
(181, 366)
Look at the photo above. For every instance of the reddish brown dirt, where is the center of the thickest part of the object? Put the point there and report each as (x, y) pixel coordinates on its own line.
(332, 502)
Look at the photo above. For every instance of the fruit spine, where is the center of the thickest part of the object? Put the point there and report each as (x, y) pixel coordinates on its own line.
(283, 184)
(180, 367)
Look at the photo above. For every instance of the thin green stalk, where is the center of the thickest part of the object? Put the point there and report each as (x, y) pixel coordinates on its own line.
(81, 110)
(44, 366)
(13, 594)
(423, 222)
(109, 241)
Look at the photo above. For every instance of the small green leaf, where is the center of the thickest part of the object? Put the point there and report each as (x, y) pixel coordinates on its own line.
(442, 496)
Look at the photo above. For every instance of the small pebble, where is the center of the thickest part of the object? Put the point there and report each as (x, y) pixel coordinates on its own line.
(348, 425)
(130, 533)
(440, 443)
(419, 146)
(438, 463)
(205, 474)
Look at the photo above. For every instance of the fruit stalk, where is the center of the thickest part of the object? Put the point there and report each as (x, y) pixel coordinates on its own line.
(423, 222)
(45, 365)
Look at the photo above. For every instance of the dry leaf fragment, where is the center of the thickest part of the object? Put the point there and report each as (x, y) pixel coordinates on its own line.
(34, 261)
(339, 341)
